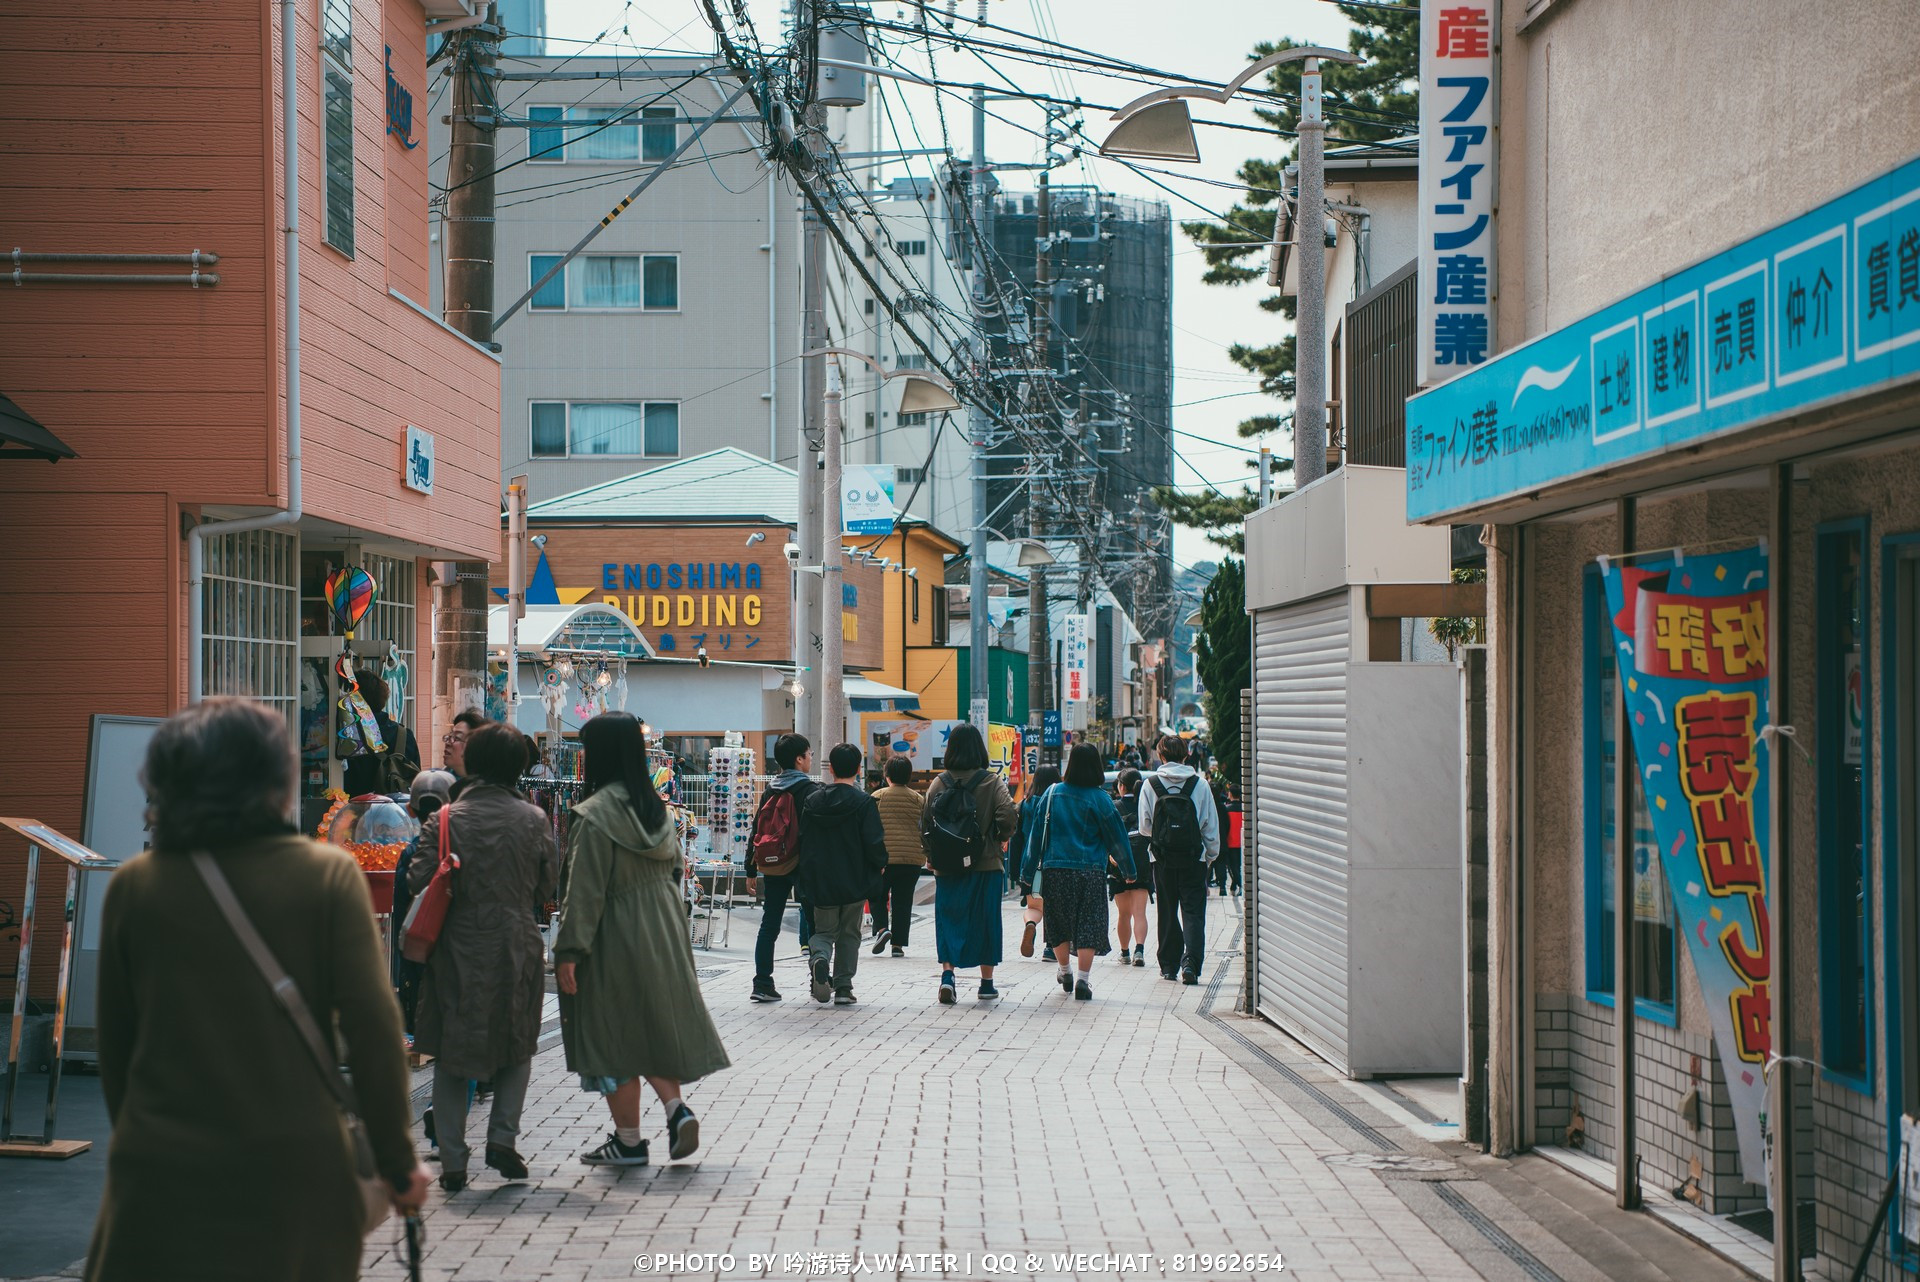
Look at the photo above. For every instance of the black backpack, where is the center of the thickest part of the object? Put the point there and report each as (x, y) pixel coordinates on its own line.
(1176, 822)
(953, 828)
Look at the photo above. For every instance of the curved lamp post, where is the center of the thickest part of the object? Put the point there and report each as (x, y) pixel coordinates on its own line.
(920, 393)
(1157, 126)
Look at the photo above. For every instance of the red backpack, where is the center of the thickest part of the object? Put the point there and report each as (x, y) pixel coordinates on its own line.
(776, 834)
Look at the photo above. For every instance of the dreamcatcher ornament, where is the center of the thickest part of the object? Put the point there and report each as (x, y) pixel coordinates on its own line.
(350, 594)
(553, 696)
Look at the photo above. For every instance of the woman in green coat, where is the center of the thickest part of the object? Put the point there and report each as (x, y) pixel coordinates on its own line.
(630, 1004)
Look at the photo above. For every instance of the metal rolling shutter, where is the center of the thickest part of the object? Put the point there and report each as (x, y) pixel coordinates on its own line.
(1300, 655)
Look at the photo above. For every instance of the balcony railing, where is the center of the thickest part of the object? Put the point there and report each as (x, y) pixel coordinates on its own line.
(1379, 338)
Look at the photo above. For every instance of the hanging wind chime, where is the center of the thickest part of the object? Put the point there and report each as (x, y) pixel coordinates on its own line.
(350, 594)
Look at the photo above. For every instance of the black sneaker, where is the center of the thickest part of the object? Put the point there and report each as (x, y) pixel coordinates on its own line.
(822, 981)
(988, 993)
(899, 951)
(1168, 975)
(844, 997)
(764, 991)
(683, 1133)
(1066, 981)
(1188, 978)
(948, 994)
(881, 940)
(453, 1181)
(614, 1153)
(1140, 954)
(1082, 993)
(509, 1163)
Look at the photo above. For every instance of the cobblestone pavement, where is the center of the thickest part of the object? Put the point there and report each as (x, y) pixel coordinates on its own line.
(1144, 1132)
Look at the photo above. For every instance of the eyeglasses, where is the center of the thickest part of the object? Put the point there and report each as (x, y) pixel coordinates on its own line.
(454, 736)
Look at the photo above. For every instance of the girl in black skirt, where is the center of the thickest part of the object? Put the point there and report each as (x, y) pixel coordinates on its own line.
(1130, 895)
(1079, 833)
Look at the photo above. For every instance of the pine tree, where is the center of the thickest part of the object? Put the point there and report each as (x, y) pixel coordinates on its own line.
(1223, 656)
(1371, 100)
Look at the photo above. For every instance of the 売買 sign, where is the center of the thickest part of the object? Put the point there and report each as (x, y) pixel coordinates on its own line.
(1822, 308)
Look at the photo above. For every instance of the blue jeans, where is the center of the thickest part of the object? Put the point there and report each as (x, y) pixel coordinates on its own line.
(774, 893)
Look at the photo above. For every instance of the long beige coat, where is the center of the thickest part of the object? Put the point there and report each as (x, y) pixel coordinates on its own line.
(229, 1159)
(479, 1007)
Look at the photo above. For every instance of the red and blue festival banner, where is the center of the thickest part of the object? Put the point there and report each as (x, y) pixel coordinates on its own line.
(1692, 638)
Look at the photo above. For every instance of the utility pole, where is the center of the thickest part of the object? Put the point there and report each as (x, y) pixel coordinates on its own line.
(461, 629)
(1310, 327)
(833, 712)
(806, 606)
(1037, 621)
(979, 624)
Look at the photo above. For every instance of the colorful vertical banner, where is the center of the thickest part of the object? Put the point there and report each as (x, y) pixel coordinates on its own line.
(1459, 48)
(1692, 638)
(1076, 668)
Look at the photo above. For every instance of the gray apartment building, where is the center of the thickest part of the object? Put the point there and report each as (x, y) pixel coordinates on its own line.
(675, 332)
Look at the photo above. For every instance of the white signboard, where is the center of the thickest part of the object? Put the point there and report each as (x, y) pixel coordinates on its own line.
(1076, 672)
(866, 498)
(416, 467)
(1459, 43)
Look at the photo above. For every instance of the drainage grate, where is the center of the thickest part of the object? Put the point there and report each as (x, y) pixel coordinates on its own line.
(1528, 1262)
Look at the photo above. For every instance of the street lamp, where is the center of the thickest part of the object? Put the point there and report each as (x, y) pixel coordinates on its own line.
(1157, 126)
(1032, 552)
(920, 393)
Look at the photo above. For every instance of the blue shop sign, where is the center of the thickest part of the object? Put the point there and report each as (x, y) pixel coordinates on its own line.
(1818, 310)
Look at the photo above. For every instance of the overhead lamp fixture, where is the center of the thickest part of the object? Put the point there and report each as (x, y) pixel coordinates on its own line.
(1158, 126)
(920, 393)
(758, 536)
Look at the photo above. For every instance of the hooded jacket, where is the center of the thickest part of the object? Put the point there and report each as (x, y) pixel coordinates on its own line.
(843, 846)
(1172, 775)
(800, 784)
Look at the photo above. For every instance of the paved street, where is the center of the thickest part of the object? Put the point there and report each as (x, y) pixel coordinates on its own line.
(1149, 1126)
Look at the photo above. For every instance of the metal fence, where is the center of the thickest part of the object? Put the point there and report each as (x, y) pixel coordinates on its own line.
(1380, 336)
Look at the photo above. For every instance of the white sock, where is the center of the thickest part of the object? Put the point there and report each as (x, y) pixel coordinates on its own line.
(628, 1135)
(671, 1104)
(1086, 968)
(1063, 968)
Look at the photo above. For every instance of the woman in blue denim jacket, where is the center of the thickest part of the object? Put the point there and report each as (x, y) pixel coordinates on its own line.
(1079, 832)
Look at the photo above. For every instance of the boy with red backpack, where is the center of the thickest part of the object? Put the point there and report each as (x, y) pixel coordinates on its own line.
(773, 852)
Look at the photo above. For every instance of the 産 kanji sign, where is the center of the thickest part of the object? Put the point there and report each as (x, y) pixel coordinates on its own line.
(1692, 638)
(1824, 307)
(1457, 116)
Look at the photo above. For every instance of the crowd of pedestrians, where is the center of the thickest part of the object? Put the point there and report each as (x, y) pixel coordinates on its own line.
(187, 972)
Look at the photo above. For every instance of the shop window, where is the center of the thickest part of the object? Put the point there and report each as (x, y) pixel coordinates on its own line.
(1655, 940)
(336, 132)
(1842, 677)
(1900, 662)
(392, 621)
(586, 429)
(607, 282)
(250, 637)
(659, 135)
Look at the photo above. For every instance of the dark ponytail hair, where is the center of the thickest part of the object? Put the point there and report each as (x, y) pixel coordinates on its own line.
(616, 752)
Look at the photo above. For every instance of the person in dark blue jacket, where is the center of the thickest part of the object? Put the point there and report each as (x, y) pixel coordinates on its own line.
(1079, 835)
(1020, 851)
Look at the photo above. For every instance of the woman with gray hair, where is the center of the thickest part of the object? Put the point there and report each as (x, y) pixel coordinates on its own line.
(429, 791)
(239, 1162)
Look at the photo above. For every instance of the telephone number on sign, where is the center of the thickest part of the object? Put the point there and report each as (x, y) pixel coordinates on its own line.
(1232, 1262)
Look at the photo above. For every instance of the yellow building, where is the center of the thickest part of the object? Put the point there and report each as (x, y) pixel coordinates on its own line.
(916, 655)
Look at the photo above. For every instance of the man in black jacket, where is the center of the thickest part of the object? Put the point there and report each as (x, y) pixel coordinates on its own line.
(843, 847)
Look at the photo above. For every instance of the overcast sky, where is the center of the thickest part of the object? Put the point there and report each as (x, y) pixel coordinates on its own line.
(1202, 39)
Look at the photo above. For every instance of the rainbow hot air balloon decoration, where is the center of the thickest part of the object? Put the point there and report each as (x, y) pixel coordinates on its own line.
(350, 594)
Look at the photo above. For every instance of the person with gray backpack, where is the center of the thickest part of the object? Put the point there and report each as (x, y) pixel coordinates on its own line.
(1182, 828)
(968, 817)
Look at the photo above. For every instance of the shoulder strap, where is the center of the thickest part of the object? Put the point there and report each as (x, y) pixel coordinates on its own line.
(1159, 789)
(1186, 789)
(285, 991)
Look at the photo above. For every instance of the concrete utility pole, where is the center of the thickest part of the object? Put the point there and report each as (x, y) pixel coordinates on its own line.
(1310, 329)
(813, 318)
(979, 625)
(460, 633)
(833, 711)
(1037, 622)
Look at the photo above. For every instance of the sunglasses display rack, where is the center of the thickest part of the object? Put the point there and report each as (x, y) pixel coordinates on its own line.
(731, 796)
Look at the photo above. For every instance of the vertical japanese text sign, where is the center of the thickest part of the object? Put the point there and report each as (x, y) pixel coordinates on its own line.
(1691, 636)
(1075, 669)
(1458, 113)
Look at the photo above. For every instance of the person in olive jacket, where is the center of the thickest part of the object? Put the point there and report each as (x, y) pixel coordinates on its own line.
(843, 847)
(966, 905)
(900, 806)
(630, 1003)
(228, 1158)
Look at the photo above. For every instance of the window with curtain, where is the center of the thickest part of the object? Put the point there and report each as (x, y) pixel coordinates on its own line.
(552, 296)
(549, 420)
(659, 135)
(1654, 937)
(593, 140)
(605, 280)
(546, 146)
(602, 428)
(336, 132)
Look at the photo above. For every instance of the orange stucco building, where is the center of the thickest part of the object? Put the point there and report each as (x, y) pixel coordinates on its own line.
(161, 133)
